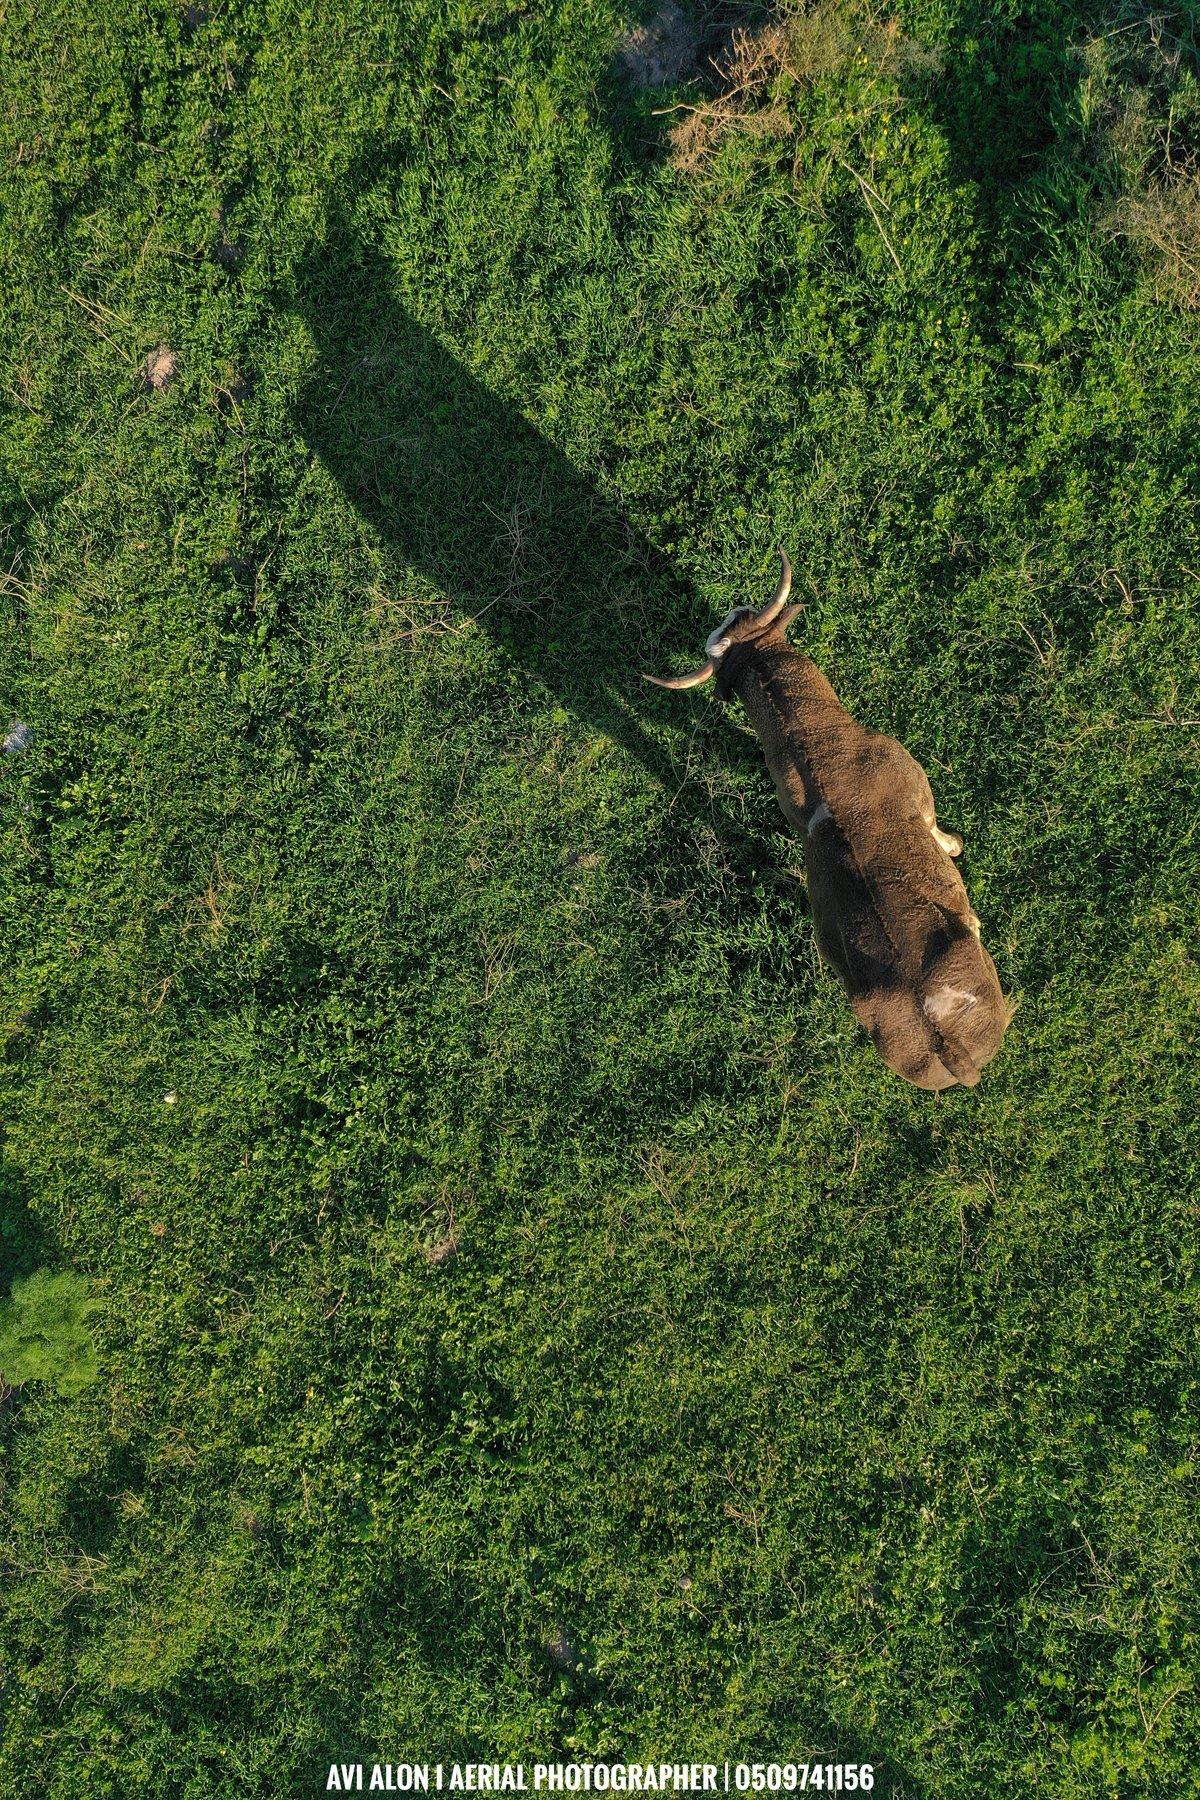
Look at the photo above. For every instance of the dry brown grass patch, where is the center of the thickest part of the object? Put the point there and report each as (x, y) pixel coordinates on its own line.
(1140, 100)
(1164, 225)
(755, 79)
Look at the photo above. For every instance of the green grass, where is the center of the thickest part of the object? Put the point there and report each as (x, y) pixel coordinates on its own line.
(768, 1408)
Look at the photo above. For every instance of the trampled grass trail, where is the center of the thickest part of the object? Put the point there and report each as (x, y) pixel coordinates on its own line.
(530, 1320)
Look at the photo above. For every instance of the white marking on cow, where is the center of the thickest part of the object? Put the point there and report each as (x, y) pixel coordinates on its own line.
(819, 817)
(714, 646)
(945, 1002)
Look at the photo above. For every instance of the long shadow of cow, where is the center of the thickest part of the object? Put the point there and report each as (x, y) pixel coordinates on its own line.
(475, 501)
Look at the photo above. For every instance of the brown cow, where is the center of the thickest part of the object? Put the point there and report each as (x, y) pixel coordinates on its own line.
(890, 911)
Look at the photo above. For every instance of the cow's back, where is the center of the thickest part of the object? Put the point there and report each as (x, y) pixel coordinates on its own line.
(892, 916)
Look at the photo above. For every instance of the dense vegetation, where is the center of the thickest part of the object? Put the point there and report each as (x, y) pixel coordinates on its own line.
(530, 1319)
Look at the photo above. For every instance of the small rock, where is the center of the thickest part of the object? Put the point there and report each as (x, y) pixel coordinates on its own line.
(160, 368)
(17, 737)
(170, 1097)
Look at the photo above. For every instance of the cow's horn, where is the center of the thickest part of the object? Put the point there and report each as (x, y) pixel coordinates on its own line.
(685, 681)
(776, 606)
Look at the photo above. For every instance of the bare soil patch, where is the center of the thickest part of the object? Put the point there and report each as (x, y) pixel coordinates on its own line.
(561, 1650)
(437, 1234)
(662, 51)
